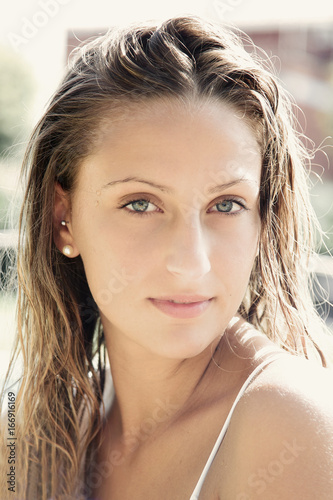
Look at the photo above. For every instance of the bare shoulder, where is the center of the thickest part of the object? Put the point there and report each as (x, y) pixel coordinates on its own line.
(280, 440)
(295, 383)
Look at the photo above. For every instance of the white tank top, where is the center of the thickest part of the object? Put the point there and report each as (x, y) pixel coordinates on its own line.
(256, 371)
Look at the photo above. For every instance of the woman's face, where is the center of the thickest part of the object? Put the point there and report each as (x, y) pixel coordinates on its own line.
(166, 219)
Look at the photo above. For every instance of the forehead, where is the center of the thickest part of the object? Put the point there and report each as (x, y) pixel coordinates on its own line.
(175, 140)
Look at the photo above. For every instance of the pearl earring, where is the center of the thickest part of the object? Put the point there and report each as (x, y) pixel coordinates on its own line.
(67, 250)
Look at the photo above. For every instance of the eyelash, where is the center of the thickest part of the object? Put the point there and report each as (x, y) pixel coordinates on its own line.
(233, 200)
(133, 212)
(147, 199)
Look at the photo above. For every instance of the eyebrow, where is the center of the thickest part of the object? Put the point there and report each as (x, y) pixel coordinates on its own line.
(166, 189)
(226, 185)
(138, 179)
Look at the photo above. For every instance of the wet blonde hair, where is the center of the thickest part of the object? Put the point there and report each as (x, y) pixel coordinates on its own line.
(59, 331)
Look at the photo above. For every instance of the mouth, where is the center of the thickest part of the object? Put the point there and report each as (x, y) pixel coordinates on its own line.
(182, 307)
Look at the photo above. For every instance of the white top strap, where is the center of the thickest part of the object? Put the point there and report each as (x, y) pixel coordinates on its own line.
(197, 489)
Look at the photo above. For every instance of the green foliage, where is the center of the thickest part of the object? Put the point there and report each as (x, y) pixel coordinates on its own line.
(16, 88)
(4, 203)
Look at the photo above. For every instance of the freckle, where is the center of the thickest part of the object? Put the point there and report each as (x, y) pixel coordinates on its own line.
(96, 203)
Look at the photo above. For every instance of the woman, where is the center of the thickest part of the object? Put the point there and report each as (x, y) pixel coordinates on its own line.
(166, 224)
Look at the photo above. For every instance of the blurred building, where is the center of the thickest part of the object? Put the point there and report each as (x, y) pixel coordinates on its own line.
(303, 57)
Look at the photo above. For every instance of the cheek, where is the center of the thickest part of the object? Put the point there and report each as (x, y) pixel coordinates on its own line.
(116, 260)
(235, 253)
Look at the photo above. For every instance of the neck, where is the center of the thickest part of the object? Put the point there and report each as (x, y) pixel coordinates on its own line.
(152, 391)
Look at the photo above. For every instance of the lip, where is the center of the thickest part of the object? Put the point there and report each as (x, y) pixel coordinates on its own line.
(191, 306)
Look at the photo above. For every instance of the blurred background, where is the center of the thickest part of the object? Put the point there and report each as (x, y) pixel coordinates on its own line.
(37, 36)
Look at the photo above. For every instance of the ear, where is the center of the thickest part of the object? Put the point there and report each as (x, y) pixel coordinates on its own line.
(62, 233)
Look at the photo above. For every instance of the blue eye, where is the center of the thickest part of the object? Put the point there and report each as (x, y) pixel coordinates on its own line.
(228, 206)
(141, 206)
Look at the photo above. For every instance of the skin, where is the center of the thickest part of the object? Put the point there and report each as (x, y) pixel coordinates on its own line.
(200, 237)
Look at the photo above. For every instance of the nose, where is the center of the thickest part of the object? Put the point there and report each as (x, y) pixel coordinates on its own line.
(187, 254)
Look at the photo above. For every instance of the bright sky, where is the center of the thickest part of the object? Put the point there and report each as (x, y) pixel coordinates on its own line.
(37, 29)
